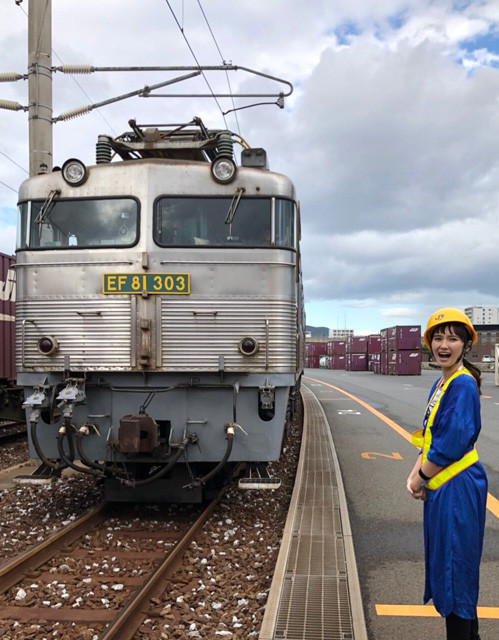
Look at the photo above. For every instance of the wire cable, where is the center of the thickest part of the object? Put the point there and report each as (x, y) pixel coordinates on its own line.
(14, 162)
(8, 187)
(195, 58)
(223, 62)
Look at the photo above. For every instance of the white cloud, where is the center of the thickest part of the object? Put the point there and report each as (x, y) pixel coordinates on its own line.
(390, 135)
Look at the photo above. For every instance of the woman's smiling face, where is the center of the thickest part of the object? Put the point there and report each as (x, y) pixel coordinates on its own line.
(447, 347)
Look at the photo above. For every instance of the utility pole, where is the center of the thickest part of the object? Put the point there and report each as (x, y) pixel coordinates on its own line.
(40, 86)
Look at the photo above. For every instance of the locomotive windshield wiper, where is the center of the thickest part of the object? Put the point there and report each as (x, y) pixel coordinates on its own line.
(232, 209)
(42, 216)
(234, 204)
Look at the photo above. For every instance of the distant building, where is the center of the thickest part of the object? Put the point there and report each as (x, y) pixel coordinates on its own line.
(483, 315)
(487, 338)
(340, 334)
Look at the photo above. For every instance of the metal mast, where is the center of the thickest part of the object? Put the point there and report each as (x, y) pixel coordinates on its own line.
(40, 86)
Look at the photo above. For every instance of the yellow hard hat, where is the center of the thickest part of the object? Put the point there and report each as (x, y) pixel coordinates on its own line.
(448, 314)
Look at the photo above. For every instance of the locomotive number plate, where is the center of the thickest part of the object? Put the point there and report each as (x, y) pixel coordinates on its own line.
(115, 283)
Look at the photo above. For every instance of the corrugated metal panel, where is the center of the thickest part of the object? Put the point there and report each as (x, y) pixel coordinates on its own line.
(7, 316)
(95, 334)
(195, 333)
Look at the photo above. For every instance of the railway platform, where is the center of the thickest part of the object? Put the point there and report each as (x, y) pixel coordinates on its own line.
(315, 592)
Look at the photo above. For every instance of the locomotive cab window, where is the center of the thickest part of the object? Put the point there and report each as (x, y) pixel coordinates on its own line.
(226, 222)
(69, 224)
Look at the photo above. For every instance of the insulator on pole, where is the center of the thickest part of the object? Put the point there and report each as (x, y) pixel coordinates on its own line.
(10, 77)
(74, 113)
(12, 106)
(75, 68)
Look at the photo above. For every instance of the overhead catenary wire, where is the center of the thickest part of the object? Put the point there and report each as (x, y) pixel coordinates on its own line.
(8, 186)
(195, 58)
(223, 61)
(14, 162)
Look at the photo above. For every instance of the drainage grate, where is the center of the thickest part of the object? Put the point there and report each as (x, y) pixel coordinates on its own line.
(314, 603)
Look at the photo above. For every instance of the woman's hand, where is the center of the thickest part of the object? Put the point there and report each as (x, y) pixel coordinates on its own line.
(414, 486)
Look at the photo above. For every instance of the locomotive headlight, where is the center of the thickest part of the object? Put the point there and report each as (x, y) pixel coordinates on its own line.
(248, 346)
(223, 169)
(74, 172)
(47, 345)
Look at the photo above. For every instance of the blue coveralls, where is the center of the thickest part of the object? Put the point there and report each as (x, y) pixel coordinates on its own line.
(454, 514)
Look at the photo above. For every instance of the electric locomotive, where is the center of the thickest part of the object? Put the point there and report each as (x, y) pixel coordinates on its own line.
(159, 313)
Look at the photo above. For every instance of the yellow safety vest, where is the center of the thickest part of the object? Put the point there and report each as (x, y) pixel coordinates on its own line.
(418, 440)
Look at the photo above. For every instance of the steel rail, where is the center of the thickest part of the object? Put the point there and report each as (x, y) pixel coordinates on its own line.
(128, 621)
(15, 570)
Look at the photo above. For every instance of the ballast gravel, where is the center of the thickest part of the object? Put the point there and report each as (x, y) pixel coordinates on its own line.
(220, 591)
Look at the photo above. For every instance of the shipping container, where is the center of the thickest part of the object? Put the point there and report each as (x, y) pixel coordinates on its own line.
(7, 316)
(374, 362)
(383, 334)
(316, 348)
(404, 363)
(337, 362)
(357, 344)
(404, 337)
(312, 362)
(356, 362)
(374, 344)
(384, 363)
(336, 347)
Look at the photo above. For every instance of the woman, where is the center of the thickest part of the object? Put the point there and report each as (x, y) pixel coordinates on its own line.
(449, 478)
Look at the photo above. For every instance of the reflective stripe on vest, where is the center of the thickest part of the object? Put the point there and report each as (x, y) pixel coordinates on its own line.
(418, 440)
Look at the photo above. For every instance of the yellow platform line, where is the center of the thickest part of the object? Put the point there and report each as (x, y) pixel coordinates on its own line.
(427, 611)
(400, 430)
(492, 502)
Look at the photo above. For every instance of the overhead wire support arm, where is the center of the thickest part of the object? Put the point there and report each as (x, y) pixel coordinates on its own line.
(74, 69)
(67, 115)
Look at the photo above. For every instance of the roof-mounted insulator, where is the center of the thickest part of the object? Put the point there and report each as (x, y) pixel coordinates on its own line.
(225, 146)
(103, 150)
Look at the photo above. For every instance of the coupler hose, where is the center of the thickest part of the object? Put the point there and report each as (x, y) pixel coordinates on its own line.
(162, 472)
(65, 430)
(55, 466)
(229, 430)
(110, 472)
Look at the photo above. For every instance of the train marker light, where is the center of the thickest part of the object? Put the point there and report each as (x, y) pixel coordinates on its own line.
(223, 169)
(47, 345)
(248, 346)
(74, 172)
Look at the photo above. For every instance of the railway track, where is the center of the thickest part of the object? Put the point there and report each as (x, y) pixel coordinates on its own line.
(78, 552)
(11, 430)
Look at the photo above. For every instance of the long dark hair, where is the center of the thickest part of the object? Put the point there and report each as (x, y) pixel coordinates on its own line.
(460, 330)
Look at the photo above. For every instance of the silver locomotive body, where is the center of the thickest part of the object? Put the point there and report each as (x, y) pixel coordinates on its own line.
(159, 329)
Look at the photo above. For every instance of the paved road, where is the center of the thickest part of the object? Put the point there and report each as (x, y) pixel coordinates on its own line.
(375, 458)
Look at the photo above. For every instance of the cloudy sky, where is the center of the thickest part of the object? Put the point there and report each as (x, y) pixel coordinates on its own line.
(391, 135)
